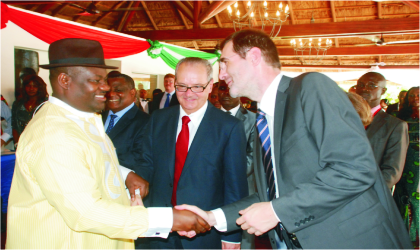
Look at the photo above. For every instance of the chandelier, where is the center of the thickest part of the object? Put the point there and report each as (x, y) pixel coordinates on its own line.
(258, 10)
(306, 48)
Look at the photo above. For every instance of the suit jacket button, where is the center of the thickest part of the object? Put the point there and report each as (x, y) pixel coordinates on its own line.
(311, 217)
(306, 219)
(302, 221)
(297, 224)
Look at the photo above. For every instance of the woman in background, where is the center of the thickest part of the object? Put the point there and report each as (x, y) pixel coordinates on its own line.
(407, 189)
(34, 92)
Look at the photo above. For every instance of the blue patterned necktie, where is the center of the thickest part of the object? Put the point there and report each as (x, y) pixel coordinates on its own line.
(111, 123)
(167, 100)
(264, 135)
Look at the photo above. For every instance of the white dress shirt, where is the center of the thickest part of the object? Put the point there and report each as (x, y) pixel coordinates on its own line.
(145, 104)
(232, 111)
(193, 125)
(164, 97)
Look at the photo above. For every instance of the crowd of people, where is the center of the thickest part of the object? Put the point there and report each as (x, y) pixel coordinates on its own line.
(313, 161)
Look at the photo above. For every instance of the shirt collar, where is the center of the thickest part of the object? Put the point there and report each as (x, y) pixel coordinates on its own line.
(375, 109)
(232, 111)
(122, 112)
(69, 108)
(268, 100)
(172, 93)
(195, 117)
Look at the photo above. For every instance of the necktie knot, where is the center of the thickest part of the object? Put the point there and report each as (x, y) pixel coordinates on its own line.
(185, 120)
(260, 114)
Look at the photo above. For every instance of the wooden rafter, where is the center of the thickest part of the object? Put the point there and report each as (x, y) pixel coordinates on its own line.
(361, 51)
(186, 11)
(131, 14)
(149, 15)
(124, 18)
(379, 10)
(114, 7)
(339, 29)
(332, 5)
(195, 45)
(44, 8)
(412, 4)
(197, 9)
(183, 19)
(59, 9)
(207, 13)
(292, 14)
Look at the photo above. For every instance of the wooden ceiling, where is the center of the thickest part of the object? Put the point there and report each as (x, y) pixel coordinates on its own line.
(353, 26)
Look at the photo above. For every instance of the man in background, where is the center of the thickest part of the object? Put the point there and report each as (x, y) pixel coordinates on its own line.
(387, 135)
(143, 100)
(395, 107)
(124, 123)
(167, 98)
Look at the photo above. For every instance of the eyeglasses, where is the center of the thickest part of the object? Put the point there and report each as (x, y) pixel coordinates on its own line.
(370, 86)
(195, 89)
(224, 61)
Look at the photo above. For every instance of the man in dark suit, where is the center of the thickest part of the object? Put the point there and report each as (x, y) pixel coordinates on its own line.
(315, 169)
(167, 98)
(387, 134)
(233, 106)
(194, 151)
(395, 107)
(124, 123)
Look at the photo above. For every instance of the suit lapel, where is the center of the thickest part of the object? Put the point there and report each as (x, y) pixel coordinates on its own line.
(199, 138)
(104, 116)
(377, 123)
(170, 137)
(279, 112)
(123, 122)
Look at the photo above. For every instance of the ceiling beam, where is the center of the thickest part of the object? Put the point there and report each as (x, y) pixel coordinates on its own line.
(143, 3)
(219, 9)
(59, 9)
(183, 19)
(186, 11)
(412, 4)
(197, 9)
(195, 45)
(379, 10)
(44, 8)
(361, 51)
(207, 14)
(340, 29)
(332, 5)
(114, 7)
(292, 13)
(124, 17)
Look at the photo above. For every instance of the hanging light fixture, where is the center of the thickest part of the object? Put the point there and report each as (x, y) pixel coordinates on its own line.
(259, 12)
(307, 49)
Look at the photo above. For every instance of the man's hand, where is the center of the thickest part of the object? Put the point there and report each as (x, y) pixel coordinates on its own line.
(137, 201)
(188, 221)
(257, 218)
(133, 182)
(228, 245)
(207, 215)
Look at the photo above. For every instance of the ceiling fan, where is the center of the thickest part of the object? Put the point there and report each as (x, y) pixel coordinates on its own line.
(381, 41)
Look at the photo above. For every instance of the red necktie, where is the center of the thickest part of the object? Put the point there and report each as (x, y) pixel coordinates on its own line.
(181, 152)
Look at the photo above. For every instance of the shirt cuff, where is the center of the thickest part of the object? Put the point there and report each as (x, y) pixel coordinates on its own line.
(238, 243)
(5, 137)
(271, 203)
(220, 217)
(160, 222)
(124, 172)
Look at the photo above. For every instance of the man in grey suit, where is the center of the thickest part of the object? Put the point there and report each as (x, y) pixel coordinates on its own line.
(317, 179)
(233, 107)
(387, 134)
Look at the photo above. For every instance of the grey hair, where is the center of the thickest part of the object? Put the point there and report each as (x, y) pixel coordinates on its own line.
(196, 61)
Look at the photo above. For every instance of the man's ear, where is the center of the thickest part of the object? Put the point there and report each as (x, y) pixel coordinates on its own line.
(210, 86)
(133, 92)
(383, 90)
(255, 55)
(64, 80)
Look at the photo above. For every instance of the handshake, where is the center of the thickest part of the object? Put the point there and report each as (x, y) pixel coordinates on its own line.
(190, 220)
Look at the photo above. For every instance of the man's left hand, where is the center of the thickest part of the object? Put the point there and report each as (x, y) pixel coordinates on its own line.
(133, 182)
(257, 218)
(228, 245)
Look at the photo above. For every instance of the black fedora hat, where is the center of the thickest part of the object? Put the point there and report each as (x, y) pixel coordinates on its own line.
(76, 52)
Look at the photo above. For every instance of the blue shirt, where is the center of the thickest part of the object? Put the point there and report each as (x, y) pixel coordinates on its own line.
(119, 115)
